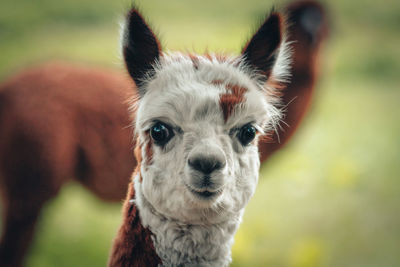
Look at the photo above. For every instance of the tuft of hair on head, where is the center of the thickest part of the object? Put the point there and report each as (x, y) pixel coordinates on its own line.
(268, 52)
(140, 48)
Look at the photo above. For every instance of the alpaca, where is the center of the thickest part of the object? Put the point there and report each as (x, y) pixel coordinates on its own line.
(92, 144)
(198, 122)
(59, 122)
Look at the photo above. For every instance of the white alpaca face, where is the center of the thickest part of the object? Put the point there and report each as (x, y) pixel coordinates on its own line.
(198, 125)
(198, 121)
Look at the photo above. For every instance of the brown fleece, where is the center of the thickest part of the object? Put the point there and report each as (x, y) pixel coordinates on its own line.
(133, 246)
(229, 100)
(59, 122)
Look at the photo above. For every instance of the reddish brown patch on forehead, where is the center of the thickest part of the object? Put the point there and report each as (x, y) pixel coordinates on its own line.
(236, 89)
(233, 97)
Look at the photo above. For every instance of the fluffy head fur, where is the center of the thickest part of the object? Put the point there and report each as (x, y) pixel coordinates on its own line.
(192, 104)
(191, 189)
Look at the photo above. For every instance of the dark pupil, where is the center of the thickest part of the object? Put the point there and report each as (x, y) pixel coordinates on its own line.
(159, 133)
(247, 134)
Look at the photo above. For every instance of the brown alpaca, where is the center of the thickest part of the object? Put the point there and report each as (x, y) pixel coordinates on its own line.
(60, 122)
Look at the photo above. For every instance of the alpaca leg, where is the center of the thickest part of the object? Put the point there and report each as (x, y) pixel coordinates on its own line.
(22, 203)
(18, 229)
(27, 181)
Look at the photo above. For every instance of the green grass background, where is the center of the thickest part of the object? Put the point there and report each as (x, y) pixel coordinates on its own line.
(330, 198)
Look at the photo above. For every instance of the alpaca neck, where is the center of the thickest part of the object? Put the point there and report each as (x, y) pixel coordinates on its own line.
(182, 244)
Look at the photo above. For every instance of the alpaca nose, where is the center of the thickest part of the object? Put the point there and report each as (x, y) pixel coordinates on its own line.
(206, 165)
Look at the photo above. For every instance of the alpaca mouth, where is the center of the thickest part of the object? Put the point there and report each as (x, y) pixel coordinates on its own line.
(204, 194)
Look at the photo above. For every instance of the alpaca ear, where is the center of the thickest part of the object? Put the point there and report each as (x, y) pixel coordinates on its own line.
(261, 52)
(140, 48)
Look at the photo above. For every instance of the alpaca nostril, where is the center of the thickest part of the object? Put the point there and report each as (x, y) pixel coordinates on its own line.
(206, 165)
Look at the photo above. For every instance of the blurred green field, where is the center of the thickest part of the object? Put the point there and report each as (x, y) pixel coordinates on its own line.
(330, 198)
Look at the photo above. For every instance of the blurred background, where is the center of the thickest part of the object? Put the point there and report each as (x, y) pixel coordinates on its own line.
(330, 198)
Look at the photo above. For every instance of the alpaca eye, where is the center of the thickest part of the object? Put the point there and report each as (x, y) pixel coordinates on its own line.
(246, 134)
(161, 133)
